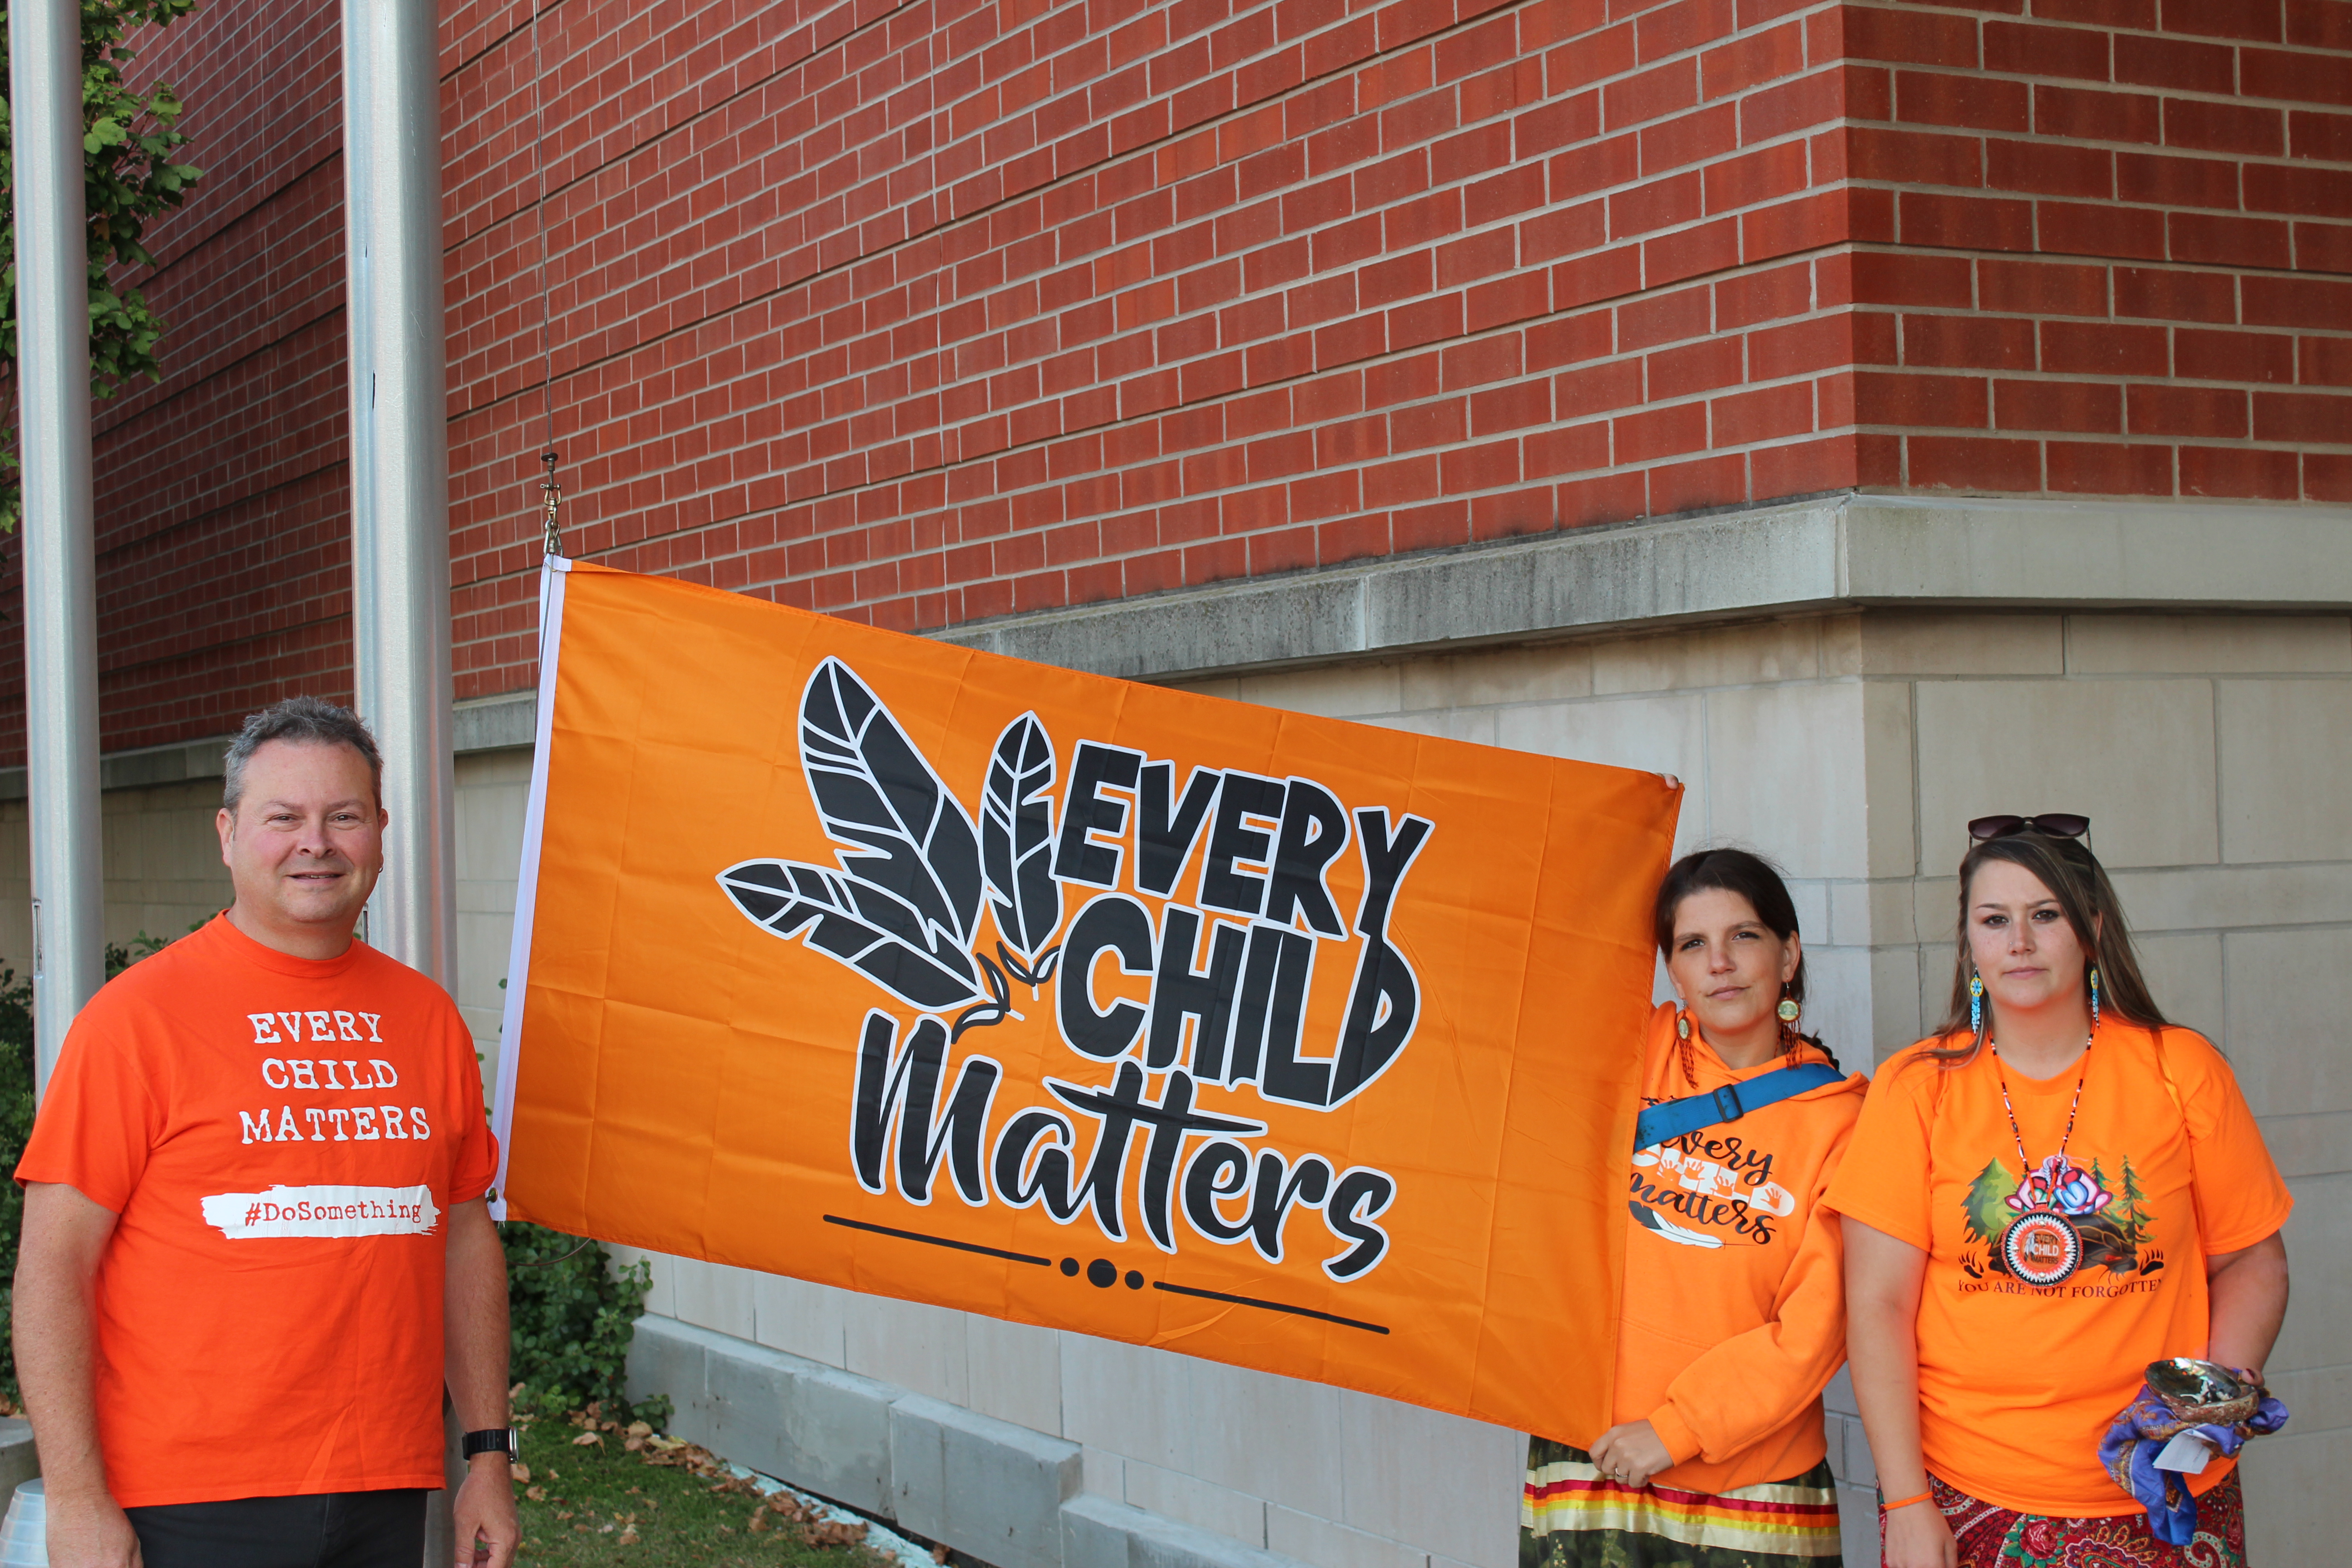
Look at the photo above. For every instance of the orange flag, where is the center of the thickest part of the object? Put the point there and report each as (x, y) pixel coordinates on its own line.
(1282, 1041)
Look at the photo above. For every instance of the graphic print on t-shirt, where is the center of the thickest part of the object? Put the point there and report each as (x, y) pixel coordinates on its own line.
(1703, 1191)
(2108, 1213)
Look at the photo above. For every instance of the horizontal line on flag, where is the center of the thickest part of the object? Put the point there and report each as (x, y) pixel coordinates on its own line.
(940, 1241)
(1270, 1306)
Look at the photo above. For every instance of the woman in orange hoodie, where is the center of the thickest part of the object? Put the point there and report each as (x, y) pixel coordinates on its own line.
(2054, 1192)
(1733, 1317)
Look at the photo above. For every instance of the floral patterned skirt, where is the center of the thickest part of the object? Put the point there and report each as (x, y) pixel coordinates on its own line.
(1571, 1515)
(1991, 1536)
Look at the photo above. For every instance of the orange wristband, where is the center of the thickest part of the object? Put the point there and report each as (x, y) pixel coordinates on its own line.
(1906, 1503)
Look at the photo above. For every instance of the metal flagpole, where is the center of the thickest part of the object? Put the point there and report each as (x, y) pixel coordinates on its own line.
(69, 955)
(400, 476)
(400, 500)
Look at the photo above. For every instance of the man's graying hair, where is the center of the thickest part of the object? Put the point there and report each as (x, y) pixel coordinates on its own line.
(305, 720)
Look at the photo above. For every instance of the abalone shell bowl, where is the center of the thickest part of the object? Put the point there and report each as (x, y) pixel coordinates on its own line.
(2202, 1391)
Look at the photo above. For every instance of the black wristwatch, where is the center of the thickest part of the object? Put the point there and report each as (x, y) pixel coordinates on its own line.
(497, 1439)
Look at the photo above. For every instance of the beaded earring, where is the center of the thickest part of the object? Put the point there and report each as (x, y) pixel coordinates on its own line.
(1976, 1004)
(2095, 996)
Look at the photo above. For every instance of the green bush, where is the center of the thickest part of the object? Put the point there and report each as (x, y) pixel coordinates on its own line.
(574, 1316)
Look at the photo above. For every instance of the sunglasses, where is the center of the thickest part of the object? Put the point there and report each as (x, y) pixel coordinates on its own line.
(2050, 824)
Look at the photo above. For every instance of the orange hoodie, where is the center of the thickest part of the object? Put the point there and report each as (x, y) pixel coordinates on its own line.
(1735, 1309)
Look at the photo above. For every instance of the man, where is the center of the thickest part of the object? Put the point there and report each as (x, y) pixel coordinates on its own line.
(255, 1239)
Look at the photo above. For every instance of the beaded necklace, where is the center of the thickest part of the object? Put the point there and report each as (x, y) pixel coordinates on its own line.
(2041, 1245)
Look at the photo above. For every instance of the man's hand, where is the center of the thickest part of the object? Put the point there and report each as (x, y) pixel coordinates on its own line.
(484, 1512)
(1632, 1454)
(86, 1530)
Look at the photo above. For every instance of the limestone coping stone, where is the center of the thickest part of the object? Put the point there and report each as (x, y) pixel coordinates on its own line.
(1840, 551)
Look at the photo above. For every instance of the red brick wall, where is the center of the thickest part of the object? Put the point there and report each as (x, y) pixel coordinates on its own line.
(929, 311)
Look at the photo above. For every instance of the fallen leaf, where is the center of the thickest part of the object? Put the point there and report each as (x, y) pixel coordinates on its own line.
(608, 1529)
(563, 1513)
(585, 1438)
(536, 1494)
(631, 1445)
(725, 1530)
(627, 1537)
(938, 1554)
(515, 1392)
(522, 1473)
(759, 1523)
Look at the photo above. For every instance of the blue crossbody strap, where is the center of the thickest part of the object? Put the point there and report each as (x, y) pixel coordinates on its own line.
(1680, 1118)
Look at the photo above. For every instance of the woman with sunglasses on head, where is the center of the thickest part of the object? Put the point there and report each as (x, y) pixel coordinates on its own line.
(1732, 1318)
(2055, 1192)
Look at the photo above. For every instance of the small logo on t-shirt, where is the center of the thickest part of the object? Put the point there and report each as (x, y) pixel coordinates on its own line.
(330, 1211)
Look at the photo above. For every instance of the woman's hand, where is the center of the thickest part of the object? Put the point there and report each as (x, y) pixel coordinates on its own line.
(1917, 1537)
(1631, 1453)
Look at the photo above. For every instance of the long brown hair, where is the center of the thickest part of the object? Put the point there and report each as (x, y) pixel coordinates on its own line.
(1755, 879)
(2076, 880)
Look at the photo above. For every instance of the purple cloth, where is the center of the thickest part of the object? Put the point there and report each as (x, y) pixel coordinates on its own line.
(2138, 1434)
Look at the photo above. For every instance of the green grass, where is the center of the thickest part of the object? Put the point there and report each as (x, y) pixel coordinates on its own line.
(599, 1504)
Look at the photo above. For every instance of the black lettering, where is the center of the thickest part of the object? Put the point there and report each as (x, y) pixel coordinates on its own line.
(1018, 1182)
(1386, 999)
(1164, 838)
(1272, 1192)
(1359, 1197)
(1218, 1170)
(907, 1082)
(1172, 1124)
(1076, 857)
(1231, 839)
(1121, 1107)
(1314, 831)
(1181, 992)
(1266, 943)
(1116, 923)
(1288, 1076)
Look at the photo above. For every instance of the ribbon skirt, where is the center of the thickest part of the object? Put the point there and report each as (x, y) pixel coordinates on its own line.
(1991, 1536)
(1571, 1515)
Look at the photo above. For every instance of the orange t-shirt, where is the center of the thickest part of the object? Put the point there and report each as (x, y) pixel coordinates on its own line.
(282, 1140)
(2019, 1382)
(1734, 1306)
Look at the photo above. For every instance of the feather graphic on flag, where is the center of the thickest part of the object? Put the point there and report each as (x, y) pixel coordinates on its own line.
(873, 787)
(854, 922)
(1016, 848)
(904, 910)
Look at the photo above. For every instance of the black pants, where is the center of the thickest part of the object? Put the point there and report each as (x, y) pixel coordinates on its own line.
(324, 1529)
